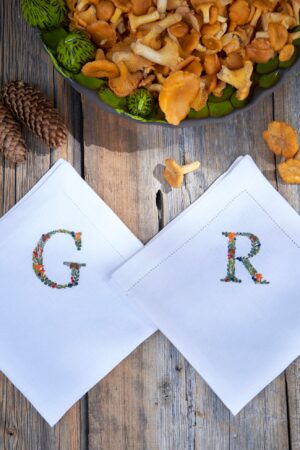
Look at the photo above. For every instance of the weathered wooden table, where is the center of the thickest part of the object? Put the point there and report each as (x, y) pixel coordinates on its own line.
(153, 400)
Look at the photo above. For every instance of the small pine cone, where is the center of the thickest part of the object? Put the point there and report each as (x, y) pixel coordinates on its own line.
(12, 144)
(32, 108)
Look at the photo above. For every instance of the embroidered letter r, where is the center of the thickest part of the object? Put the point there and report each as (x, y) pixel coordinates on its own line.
(245, 260)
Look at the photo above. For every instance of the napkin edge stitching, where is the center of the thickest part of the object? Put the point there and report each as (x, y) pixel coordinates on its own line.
(203, 228)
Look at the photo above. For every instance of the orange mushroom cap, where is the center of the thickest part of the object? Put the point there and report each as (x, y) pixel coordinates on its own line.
(281, 139)
(100, 69)
(260, 51)
(177, 95)
(126, 82)
(102, 33)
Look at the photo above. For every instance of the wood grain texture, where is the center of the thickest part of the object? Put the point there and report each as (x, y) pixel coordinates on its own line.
(21, 427)
(154, 400)
(286, 107)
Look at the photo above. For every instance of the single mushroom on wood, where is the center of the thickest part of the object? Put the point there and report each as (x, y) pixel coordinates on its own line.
(126, 82)
(174, 173)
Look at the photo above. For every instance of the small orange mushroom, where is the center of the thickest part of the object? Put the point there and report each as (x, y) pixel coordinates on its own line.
(201, 98)
(281, 139)
(234, 61)
(278, 35)
(290, 171)
(105, 10)
(260, 51)
(212, 43)
(211, 82)
(88, 16)
(179, 29)
(286, 53)
(174, 173)
(211, 30)
(239, 12)
(100, 69)
(190, 41)
(212, 64)
(177, 95)
(102, 33)
(126, 82)
(140, 7)
(195, 67)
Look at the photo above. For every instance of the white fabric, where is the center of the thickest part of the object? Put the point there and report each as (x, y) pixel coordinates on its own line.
(238, 336)
(55, 344)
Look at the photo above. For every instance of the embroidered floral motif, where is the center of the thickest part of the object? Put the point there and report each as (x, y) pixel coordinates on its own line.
(38, 265)
(245, 260)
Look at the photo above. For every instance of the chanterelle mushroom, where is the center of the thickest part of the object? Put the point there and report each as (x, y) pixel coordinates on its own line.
(174, 173)
(158, 27)
(100, 69)
(126, 82)
(132, 61)
(167, 56)
(177, 95)
(277, 17)
(240, 79)
(137, 21)
(260, 51)
(278, 35)
(102, 33)
(239, 12)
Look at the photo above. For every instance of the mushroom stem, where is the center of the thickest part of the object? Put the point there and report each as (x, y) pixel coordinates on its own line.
(167, 56)
(159, 27)
(161, 6)
(294, 36)
(137, 21)
(191, 167)
(205, 9)
(116, 16)
(296, 7)
(256, 17)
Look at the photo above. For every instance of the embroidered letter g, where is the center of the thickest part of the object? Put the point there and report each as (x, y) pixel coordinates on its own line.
(38, 264)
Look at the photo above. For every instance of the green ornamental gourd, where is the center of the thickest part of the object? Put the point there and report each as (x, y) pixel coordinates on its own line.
(140, 103)
(75, 50)
(44, 14)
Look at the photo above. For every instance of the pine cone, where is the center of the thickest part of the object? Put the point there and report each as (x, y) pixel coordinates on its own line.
(32, 108)
(11, 142)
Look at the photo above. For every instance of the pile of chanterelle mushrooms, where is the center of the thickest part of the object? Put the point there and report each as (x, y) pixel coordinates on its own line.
(184, 50)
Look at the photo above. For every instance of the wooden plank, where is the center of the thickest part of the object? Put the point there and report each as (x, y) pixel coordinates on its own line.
(287, 108)
(22, 57)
